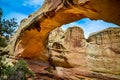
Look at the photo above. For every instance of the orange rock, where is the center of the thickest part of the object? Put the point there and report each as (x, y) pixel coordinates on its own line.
(31, 38)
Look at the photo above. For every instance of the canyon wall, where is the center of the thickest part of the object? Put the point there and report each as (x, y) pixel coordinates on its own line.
(100, 52)
(104, 50)
(31, 39)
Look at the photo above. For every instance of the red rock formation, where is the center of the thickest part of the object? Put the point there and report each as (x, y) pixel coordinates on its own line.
(33, 32)
(30, 40)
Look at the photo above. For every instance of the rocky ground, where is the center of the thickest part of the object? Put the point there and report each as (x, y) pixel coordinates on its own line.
(60, 73)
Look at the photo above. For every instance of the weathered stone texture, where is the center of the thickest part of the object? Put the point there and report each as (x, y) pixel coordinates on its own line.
(34, 30)
(31, 39)
(104, 50)
(68, 49)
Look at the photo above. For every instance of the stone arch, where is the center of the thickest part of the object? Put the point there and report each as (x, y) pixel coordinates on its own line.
(55, 13)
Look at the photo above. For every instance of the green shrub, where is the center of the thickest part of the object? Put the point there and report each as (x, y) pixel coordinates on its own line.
(3, 42)
(19, 71)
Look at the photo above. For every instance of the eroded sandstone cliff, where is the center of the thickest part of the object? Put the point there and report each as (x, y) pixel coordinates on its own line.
(31, 39)
(104, 50)
(70, 48)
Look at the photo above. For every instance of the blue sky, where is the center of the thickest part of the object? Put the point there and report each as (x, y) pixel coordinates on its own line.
(20, 9)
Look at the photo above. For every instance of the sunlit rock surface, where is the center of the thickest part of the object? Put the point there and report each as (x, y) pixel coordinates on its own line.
(31, 39)
(33, 31)
(69, 49)
(55, 36)
(104, 50)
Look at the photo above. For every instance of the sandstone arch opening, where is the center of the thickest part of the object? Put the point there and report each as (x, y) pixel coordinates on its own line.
(73, 37)
(89, 26)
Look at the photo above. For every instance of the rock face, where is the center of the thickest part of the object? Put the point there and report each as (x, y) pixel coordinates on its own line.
(74, 38)
(101, 52)
(69, 49)
(55, 37)
(104, 51)
(31, 38)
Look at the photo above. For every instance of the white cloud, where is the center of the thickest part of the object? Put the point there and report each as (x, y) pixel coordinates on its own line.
(34, 3)
(18, 16)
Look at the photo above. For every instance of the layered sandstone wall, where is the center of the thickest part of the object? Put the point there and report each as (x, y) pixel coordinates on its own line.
(74, 38)
(100, 53)
(104, 50)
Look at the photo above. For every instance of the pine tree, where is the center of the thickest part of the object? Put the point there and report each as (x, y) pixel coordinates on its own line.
(7, 29)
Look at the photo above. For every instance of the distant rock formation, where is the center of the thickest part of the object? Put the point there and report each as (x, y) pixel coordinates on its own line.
(74, 38)
(104, 50)
(105, 37)
(100, 53)
(68, 48)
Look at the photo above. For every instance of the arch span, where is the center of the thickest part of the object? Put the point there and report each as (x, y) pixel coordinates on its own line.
(31, 37)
